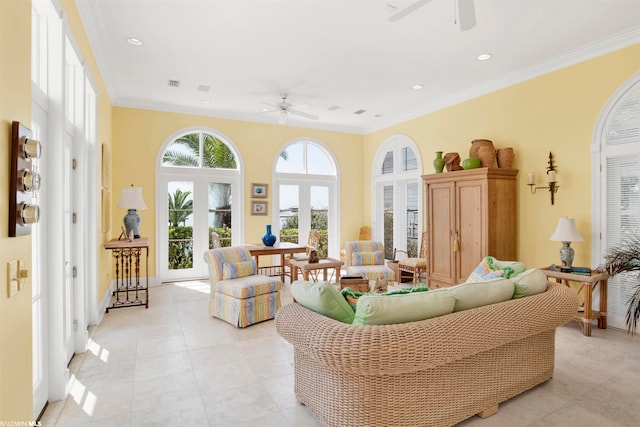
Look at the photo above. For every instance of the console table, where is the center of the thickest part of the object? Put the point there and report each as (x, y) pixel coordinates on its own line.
(129, 290)
(587, 285)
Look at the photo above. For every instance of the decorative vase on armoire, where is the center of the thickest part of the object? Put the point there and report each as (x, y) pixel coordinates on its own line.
(269, 239)
(438, 162)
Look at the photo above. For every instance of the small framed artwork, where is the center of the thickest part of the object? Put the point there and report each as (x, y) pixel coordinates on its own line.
(259, 208)
(259, 191)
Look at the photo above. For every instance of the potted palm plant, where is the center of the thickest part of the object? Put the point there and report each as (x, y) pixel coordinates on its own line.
(625, 258)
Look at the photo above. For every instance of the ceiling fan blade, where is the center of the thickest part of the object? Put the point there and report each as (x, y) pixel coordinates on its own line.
(467, 11)
(407, 10)
(303, 114)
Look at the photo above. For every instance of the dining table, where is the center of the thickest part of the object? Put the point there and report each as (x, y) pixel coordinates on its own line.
(281, 249)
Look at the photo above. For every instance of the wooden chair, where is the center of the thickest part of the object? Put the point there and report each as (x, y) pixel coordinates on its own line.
(215, 240)
(413, 267)
(312, 243)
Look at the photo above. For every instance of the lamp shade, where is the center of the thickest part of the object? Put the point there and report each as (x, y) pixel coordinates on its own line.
(131, 198)
(566, 231)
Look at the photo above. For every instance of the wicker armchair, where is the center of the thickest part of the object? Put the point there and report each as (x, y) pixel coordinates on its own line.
(438, 371)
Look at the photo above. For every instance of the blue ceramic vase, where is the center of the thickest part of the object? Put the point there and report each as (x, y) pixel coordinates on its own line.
(269, 239)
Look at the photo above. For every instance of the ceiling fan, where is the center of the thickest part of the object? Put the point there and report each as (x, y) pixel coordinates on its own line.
(465, 11)
(284, 108)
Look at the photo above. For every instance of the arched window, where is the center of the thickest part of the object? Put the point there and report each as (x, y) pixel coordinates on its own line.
(616, 184)
(199, 176)
(305, 180)
(396, 196)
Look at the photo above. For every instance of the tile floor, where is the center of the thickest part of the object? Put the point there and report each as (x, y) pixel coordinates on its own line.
(173, 365)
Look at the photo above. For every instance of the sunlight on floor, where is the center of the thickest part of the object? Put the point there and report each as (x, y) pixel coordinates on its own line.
(194, 285)
(98, 350)
(82, 396)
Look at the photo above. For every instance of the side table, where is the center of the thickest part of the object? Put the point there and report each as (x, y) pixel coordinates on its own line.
(129, 291)
(323, 264)
(587, 285)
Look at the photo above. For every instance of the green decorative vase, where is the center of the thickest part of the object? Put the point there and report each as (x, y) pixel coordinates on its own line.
(438, 162)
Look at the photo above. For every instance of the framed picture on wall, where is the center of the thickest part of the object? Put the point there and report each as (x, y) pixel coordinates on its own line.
(106, 166)
(259, 191)
(106, 210)
(259, 208)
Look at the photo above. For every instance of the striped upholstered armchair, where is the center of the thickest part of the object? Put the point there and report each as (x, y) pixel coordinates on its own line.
(366, 258)
(239, 295)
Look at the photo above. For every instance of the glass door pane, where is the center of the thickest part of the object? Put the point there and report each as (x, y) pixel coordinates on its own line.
(388, 221)
(320, 216)
(219, 220)
(289, 213)
(180, 227)
(411, 213)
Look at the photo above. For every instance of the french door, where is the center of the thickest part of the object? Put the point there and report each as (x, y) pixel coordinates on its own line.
(190, 206)
(304, 206)
(617, 189)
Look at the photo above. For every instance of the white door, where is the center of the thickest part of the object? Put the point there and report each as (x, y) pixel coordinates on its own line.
(39, 312)
(67, 249)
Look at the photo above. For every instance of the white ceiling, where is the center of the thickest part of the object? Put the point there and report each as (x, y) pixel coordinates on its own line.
(343, 53)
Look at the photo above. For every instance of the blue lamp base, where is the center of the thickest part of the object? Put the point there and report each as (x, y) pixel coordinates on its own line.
(132, 223)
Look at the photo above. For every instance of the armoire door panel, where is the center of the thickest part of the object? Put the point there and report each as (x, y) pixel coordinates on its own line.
(470, 219)
(441, 226)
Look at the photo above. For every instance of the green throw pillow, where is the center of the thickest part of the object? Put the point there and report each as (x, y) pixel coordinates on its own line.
(476, 294)
(352, 295)
(323, 298)
(385, 309)
(531, 282)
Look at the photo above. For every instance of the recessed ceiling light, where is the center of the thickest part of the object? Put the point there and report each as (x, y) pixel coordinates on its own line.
(133, 41)
(484, 56)
(417, 87)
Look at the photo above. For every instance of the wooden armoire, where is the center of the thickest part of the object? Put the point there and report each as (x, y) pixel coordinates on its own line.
(468, 215)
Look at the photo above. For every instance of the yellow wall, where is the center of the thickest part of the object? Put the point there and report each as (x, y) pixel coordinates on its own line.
(15, 312)
(555, 112)
(138, 136)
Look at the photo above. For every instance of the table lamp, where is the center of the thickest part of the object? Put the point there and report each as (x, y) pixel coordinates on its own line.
(566, 232)
(131, 199)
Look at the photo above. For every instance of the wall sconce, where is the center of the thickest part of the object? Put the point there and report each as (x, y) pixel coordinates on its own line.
(24, 180)
(552, 186)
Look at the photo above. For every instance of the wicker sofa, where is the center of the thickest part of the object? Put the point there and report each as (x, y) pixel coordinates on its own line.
(434, 372)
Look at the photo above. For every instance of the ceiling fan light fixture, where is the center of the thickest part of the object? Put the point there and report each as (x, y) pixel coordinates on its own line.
(282, 119)
(484, 56)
